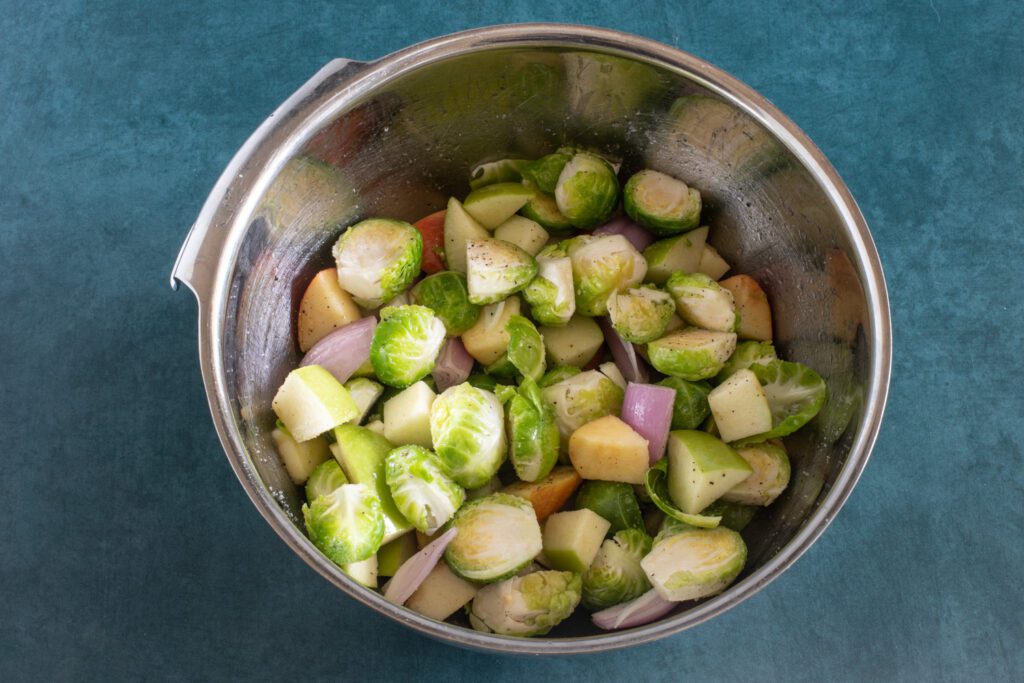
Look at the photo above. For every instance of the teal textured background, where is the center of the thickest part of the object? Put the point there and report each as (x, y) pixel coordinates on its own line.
(129, 551)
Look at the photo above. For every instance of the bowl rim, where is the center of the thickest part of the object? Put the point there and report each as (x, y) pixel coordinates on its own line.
(206, 269)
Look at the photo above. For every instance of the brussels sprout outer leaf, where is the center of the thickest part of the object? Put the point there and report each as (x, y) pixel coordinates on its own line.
(525, 347)
(615, 501)
(795, 395)
(656, 485)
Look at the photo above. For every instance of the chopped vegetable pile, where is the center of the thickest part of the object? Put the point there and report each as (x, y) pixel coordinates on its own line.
(532, 400)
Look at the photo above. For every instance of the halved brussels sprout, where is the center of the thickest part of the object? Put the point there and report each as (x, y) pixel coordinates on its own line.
(496, 269)
(544, 172)
(691, 354)
(557, 374)
(468, 429)
(703, 302)
(525, 347)
(613, 500)
(533, 443)
(770, 477)
(615, 575)
(544, 210)
(497, 536)
(640, 315)
(600, 266)
(551, 295)
(746, 354)
(690, 407)
(581, 399)
(528, 605)
(405, 345)
(695, 564)
(662, 204)
(325, 478)
(423, 493)
(347, 524)
(447, 295)
(378, 259)
(587, 190)
(795, 395)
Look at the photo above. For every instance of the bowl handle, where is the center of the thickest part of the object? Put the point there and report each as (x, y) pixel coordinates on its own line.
(197, 261)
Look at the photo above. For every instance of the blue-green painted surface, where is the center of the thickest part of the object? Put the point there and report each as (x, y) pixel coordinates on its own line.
(129, 551)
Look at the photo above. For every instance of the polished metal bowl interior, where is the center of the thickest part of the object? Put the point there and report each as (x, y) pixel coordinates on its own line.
(398, 136)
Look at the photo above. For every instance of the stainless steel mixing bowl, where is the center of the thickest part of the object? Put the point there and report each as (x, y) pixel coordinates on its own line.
(397, 136)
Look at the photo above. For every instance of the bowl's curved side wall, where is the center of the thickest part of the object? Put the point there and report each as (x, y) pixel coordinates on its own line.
(398, 138)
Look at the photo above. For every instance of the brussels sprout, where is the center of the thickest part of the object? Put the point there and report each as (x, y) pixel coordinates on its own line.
(641, 315)
(482, 381)
(544, 210)
(587, 190)
(690, 407)
(795, 395)
(661, 203)
(497, 536)
(347, 524)
(377, 259)
(496, 269)
(600, 266)
(551, 295)
(528, 605)
(734, 515)
(420, 488)
(746, 354)
(324, 479)
(581, 399)
(656, 484)
(544, 172)
(770, 477)
(695, 564)
(533, 443)
(557, 374)
(691, 354)
(703, 302)
(502, 368)
(468, 428)
(405, 345)
(613, 500)
(500, 171)
(615, 575)
(525, 347)
(447, 295)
